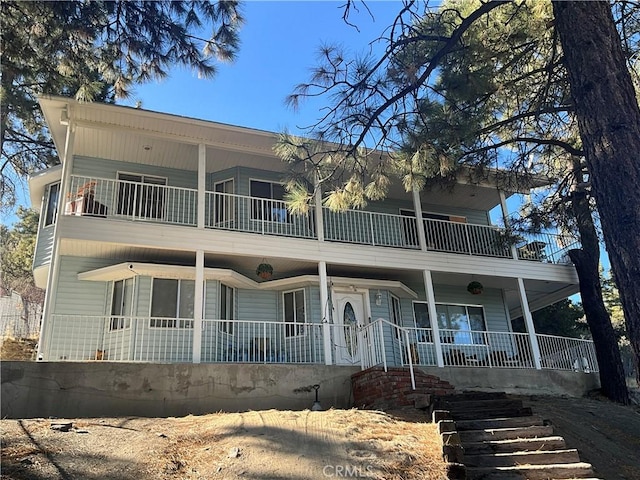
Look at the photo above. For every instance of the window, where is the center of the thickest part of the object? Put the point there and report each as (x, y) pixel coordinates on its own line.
(172, 303)
(462, 324)
(53, 192)
(227, 308)
(423, 324)
(396, 314)
(141, 196)
(294, 313)
(268, 202)
(121, 303)
(223, 211)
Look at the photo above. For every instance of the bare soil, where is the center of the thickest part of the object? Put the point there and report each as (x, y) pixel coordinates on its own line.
(293, 445)
(253, 445)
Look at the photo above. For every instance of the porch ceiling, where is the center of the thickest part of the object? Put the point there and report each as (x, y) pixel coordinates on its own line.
(144, 137)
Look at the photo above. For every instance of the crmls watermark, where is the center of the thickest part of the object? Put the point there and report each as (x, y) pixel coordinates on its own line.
(348, 471)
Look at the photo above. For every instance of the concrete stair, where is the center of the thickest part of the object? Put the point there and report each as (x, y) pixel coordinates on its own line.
(503, 440)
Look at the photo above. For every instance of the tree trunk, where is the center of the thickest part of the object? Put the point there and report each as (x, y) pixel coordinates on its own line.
(609, 121)
(587, 262)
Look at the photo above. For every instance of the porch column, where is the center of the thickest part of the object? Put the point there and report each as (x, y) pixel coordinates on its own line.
(417, 206)
(54, 267)
(528, 320)
(325, 313)
(433, 316)
(198, 303)
(505, 218)
(202, 172)
(319, 214)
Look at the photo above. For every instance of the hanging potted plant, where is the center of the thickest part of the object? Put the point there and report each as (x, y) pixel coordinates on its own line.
(475, 288)
(264, 270)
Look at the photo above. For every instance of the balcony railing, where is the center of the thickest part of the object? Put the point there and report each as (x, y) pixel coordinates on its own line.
(100, 197)
(241, 213)
(135, 201)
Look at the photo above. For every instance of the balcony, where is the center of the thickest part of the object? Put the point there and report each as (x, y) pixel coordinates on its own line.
(147, 202)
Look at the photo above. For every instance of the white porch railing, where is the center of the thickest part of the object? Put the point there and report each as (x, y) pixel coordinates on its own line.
(170, 340)
(241, 341)
(562, 353)
(101, 197)
(467, 238)
(546, 247)
(241, 213)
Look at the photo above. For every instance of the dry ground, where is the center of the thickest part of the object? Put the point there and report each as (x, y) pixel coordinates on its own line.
(253, 445)
(293, 445)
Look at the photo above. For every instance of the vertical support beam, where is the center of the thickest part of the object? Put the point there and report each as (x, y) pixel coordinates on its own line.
(202, 172)
(433, 316)
(54, 267)
(319, 214)
(505, 219)
(528, 320)
(417, 206)
(325, 312)
(198, 307)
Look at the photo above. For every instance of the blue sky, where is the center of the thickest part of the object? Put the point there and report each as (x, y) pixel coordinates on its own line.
(280, 42)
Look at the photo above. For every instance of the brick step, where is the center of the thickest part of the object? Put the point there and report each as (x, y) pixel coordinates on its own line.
(505, 433)
(514, 444)
(499, 423)
(462, 405)
(532, 472)
(482, 414)
(553, 457)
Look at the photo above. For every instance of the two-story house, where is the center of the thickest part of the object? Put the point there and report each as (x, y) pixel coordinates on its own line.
(153, 228)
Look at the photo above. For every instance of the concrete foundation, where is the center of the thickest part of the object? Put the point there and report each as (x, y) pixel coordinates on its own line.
(52, 389)
(97, 389)
(518, 381)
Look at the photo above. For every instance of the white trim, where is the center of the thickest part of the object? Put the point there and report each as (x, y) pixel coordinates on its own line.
(237, 280)
(400, 210)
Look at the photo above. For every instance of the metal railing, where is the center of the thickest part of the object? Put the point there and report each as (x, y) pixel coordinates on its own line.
(108, 198)
(100, 197)
(241, 341)
(374, 336)
(546, 247)
(467, 238)
(562, 353)
(241, 213)
(170, 340)
(370, 228)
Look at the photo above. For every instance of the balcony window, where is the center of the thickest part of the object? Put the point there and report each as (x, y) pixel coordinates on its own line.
(51, 213)
(268, 204)
(141, 196)
(172, 303)
(294, 313)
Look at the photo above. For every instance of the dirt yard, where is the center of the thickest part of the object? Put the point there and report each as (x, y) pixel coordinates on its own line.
(292, 445)
(253, 445)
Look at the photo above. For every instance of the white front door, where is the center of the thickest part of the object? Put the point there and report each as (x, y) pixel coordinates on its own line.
(349, 314)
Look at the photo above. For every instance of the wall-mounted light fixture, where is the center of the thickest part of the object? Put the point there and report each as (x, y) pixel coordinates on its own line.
(379, 298)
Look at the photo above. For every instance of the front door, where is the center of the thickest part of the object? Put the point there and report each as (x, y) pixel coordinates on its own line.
(349, 315)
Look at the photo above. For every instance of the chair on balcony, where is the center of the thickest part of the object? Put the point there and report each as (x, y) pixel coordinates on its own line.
(500, 358)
